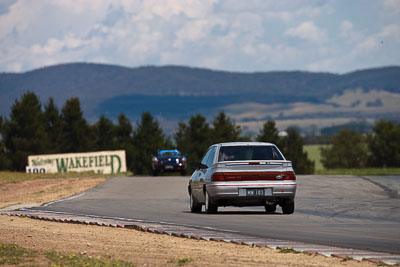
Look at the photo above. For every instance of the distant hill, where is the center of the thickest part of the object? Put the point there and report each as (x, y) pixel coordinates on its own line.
(175, 92)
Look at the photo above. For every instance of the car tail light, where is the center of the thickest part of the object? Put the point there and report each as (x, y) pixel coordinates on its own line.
(183, 160)
(289, 176)
(155, 160)
(218, 176)
(252, 176)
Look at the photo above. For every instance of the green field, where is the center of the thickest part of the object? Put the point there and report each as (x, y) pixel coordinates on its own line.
(314, 154)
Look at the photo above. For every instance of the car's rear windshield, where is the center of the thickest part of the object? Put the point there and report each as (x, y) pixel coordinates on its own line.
(169, 153)
(235, 153)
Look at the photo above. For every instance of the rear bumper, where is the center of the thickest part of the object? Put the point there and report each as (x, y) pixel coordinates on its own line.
(174, 167)
(236, 191)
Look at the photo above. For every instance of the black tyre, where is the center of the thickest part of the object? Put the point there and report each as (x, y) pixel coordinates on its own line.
(270, 208)
(155, 172)
(194, 206)
(210, 207)
(288, 207)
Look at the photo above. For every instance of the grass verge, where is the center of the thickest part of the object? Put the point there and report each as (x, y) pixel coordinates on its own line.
(15, 177)
(14, 254)
(359, 172)
(58, 259)
(181, 261)
(288, 250)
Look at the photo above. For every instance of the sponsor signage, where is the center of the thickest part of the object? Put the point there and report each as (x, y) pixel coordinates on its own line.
(36, 169)
(106, 162)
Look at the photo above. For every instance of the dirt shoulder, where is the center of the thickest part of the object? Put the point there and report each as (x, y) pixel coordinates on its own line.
(43, 190)
(142, 249)
(147, 249)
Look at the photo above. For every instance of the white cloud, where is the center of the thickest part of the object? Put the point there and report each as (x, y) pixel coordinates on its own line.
(388, 34)
(196, 30)
(54, 46)
(18, 18)
(390, 31)
(348, 33)
(308, 31)
(223, 34)
(325, 64)
(346, 29)
(392, 5)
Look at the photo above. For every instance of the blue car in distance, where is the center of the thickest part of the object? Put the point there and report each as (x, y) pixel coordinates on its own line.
(169, 161)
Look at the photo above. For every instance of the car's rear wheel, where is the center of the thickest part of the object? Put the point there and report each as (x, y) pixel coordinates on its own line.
(270, 208)
(155, 172)
(288, 207)
(209, 206)
(194, 206)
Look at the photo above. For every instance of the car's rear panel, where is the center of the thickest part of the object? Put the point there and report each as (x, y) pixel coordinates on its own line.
(231, 181)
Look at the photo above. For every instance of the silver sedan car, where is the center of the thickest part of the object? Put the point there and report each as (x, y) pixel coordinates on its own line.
(243, 174)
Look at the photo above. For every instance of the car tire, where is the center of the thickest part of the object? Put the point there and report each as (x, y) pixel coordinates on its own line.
(270, 208)
(288, 207)
(194, 206)
(155, 173)
(210, 207)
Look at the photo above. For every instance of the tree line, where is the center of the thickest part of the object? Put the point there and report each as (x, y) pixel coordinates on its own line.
(350, 149)
(33, 129)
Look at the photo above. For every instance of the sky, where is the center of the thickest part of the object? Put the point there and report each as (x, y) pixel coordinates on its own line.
(232, 35)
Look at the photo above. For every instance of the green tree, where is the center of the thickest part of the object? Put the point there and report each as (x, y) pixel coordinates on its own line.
(385, 145)
(123, 135)
(348, 150)
(224, 130)
(53, 126)
(105, 134)
(292, 149)
(5, 163)
(148, 138)
(77, 136)
(269, 133)
(193, 138)
(24, 134)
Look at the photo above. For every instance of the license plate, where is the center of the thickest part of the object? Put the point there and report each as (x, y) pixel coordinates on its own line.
(169, 167)
(255, 192)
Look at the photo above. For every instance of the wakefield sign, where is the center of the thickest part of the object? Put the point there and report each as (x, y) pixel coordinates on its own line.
(100, 162)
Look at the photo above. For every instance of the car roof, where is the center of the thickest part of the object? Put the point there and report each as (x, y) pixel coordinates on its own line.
(246, 144)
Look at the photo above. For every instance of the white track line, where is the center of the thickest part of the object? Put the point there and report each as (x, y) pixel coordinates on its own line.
(68, 198)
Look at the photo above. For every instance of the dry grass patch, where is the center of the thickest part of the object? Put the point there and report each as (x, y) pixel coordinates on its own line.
(43, 190)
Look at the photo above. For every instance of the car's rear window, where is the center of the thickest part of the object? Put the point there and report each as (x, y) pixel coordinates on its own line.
(169, 153)
(235, 153)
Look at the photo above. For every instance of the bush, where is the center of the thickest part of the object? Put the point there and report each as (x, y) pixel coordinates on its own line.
(349, 150)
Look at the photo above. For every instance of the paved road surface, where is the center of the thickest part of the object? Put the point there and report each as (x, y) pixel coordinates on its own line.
(346, 211)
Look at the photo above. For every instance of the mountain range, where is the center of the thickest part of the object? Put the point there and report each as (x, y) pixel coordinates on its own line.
(309, 100)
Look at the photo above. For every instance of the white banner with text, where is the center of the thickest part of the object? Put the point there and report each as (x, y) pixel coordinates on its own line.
(106, 162)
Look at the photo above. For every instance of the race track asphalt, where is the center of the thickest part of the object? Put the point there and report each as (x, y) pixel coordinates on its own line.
(344, 211)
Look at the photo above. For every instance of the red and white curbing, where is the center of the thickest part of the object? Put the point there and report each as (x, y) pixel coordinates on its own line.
(213, 235)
